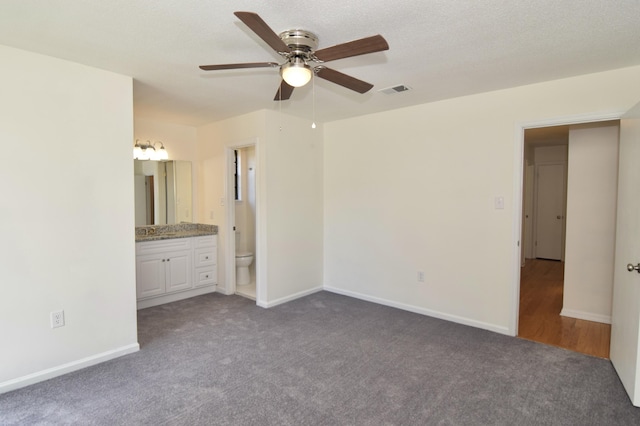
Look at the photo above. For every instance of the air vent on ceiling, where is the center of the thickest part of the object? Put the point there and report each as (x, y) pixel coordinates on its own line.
(395, 89)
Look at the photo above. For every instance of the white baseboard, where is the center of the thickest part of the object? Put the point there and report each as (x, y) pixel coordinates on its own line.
(588, 316)
(174, 297)
(286, 299)
(422, 311)
(50, 373)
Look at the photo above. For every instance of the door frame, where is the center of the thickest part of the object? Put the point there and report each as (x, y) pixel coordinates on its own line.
(230, 210)
(518, 194)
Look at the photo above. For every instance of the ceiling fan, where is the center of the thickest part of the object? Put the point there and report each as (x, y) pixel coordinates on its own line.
(298, 48)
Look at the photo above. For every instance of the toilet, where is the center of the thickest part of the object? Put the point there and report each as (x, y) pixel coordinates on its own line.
(243, 260)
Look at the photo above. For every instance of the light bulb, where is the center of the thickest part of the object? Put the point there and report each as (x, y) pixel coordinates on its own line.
(150, 153)
(143, 155)
(296, 73)
(162, 154)
(137, 152)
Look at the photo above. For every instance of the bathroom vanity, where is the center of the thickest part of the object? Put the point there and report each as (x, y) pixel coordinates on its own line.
(175, 262)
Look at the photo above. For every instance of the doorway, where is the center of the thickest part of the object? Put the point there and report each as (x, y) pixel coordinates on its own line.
(555, 298)
(244, 220)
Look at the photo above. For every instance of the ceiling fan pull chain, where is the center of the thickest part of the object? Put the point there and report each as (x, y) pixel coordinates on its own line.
(280, 107)
(313, 99)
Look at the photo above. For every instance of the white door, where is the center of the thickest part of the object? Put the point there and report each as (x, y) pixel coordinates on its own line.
(625, 350)
(549, 211)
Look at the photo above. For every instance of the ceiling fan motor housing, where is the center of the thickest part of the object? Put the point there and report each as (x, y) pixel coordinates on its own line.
(302, 43)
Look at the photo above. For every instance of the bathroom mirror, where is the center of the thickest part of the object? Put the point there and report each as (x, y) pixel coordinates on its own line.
(163, 194)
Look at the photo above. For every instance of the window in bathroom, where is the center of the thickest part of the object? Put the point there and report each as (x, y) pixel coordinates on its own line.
(236, 174)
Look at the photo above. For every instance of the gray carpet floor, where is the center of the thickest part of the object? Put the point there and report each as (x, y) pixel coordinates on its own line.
(324, 360)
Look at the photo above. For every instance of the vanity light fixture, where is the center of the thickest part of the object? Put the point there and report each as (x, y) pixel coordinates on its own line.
(148, 151)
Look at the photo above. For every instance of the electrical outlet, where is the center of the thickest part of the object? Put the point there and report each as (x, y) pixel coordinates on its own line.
(420, 276)
(57, 319)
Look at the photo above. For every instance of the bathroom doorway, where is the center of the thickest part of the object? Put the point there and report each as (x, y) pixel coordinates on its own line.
(242, 196)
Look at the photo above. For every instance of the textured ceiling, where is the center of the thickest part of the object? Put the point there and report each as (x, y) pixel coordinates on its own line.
(439, 48)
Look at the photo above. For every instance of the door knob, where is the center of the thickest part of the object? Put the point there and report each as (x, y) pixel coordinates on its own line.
(632, 268)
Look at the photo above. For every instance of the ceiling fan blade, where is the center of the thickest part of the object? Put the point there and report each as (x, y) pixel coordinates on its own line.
(258, 26)
(375, 43)
(284, 92)
(344, 80)
(238, 66)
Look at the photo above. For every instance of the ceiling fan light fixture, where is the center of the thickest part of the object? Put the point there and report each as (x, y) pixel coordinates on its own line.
(296, 73)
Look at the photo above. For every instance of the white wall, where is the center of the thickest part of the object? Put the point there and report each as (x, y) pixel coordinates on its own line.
(179, 140)
(294, 186)
(289, 195)
(413, 190)
(250, 203)
(67, 216)
(591, 221)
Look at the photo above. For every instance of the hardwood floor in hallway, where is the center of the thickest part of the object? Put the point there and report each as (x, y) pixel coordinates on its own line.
(541, 284)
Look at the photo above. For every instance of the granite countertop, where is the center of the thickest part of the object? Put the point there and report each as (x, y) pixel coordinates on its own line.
(181, 230)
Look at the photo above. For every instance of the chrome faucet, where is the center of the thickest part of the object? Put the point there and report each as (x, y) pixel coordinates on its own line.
(148, 231)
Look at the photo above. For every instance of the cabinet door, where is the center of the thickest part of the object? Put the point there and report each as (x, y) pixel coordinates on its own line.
(150, 276)
(178, 270)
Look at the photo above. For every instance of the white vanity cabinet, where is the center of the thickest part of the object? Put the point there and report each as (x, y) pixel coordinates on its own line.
(174, 269)
(163, 267)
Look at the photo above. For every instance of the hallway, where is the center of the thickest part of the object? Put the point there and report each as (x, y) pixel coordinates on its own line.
(541, 285)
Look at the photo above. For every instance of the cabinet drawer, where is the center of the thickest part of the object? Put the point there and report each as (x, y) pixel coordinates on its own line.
(206, 276)
(205, 257)
(205, 241)
(148, 247)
